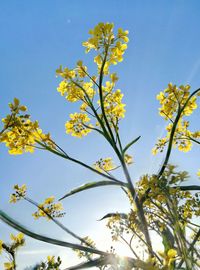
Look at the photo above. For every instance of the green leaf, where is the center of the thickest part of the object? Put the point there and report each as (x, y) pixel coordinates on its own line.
(192, 187)
(93, 185)
(122, 215)
(130, 144)
(16, 225)
(167, 239)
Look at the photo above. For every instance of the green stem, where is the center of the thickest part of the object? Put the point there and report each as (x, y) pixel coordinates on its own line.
(191, 246)
(180, 111)
(192, 139)
(56, 221)
(104, 133)
(101, 94)
(169, 149)
(78, 162)
(178, 230)
(139, 208)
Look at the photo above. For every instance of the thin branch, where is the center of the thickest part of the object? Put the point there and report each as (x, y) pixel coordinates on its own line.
(16, 225)
(76, 161)
(191, 246)
(56, 221)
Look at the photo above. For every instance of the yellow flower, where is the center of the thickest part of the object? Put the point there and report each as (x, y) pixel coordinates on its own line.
(172, 253)
(49, 208)
(1, 246)
(90, 243)
(198, 173)
(174, 97)
(20, 192)
(78, 125)
(81, 69)
(51, 259)
(62, 88)
(123, 34)
(113, 105)
(49, 200)
(154, 151)
(72, 92)
(128, 159)
(169, 257)
(114, 78)
(104, 165)
(9, 266)
(103, 39)
(20, 133)
(18, 239)
(83, 107)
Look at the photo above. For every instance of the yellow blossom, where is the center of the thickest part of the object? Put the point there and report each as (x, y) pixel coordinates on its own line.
(83, 107)
(72, 92)
(9, 266)
(104, 40)
(65, 73)
(20, 133)
(114, 107)
(128, 159)
(90, 243)
(123, 34)
(1, 246)
(104, 164)
(174, 97)
(81, 69)
(17, 239)
(49, 209)
(169, 257)
(114, 78)
(51, 259)
(78, 125)
(20, 193)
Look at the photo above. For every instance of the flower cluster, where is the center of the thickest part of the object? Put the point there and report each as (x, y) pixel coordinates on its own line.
(51, 263)
(105, 164)
(106, 43)
(20, 134)
(78, 125)
(79, 85)
(114, 108)
(49, 209)
(73, 87)
(17, 241)
(173, 100)
(169, 256)
(20, 192)
(87, 242)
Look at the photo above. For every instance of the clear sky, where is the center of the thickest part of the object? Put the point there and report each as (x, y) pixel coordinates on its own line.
(36, 37)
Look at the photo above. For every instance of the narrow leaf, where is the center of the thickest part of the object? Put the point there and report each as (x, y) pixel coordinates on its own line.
(16, 225)
(122, 215)
(130, 144)
(93, 185)
(192, 187)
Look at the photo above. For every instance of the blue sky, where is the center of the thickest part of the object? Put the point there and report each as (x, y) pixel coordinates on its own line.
(38, 36)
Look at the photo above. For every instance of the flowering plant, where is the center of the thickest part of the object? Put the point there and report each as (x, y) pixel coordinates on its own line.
(159, 204)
